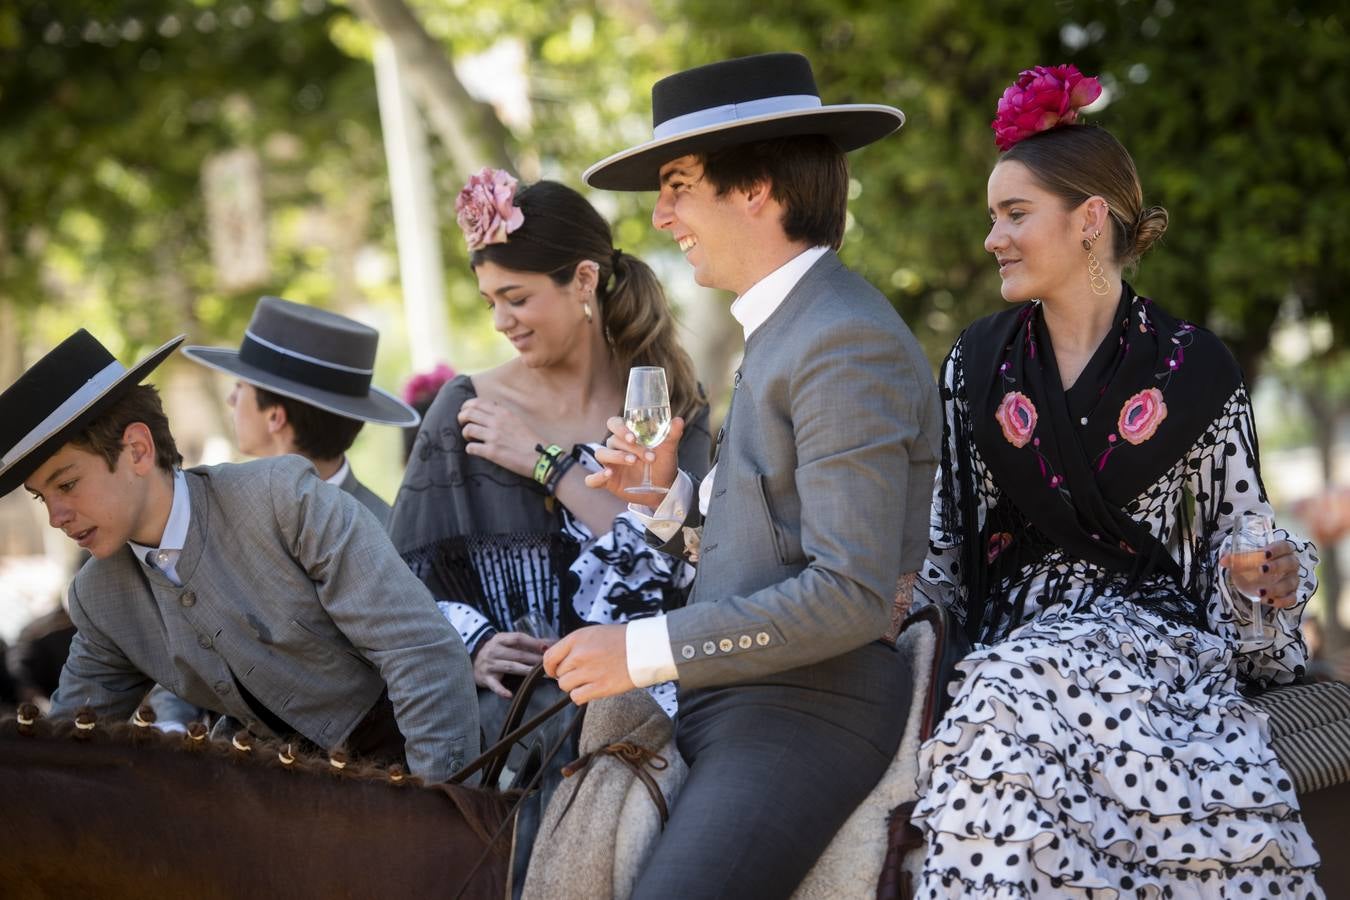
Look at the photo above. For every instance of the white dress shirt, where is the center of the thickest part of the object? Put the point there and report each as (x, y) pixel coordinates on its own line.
(650, 660)
(165, 556)
(341, 474)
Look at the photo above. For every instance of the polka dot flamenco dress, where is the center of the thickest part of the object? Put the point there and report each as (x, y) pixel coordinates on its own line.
(1095, 746)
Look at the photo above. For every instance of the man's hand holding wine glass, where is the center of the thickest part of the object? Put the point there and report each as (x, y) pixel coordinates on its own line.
(641, 457)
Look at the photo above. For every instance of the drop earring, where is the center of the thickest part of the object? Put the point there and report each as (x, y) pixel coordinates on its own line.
(1096, 274)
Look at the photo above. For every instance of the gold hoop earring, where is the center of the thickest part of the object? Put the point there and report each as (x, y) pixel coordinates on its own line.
(586, 308)
(1096, 274)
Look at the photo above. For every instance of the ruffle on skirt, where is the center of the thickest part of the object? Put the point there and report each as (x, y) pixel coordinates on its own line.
(1107, 753)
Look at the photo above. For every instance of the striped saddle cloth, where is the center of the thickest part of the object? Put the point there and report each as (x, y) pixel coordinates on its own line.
(1310, 729)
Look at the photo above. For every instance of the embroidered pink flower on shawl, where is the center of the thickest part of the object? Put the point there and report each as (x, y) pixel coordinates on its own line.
(1141, 415)
(1017, 416)
(486, 210)
(1042, 98)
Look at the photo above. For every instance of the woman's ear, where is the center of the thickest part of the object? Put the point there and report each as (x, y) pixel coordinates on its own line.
(587, 278)
(1096, 217)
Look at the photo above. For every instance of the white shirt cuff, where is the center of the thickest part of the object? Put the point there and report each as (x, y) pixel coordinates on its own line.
(667, 519)
(649, 658)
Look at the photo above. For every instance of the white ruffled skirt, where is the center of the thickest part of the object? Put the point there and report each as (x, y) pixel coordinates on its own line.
(1106, 752)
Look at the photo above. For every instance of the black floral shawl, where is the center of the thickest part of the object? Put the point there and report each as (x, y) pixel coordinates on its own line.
(1067, 462)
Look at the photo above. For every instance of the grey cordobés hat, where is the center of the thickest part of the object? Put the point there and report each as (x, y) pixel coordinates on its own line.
(310, 355)
(58, 397)
(737, 101)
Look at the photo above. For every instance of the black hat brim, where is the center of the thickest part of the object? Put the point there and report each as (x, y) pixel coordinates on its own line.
(638, 168)
(31, 461)
(377, 407)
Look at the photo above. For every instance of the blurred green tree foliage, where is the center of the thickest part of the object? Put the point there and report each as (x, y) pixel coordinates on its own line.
(1235, 113)
(110, 110)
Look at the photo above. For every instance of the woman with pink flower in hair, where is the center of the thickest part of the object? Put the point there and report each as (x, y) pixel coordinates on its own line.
(493, 513)
(1096, 452)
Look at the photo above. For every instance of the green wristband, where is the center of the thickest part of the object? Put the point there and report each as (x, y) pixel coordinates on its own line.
(548, 457)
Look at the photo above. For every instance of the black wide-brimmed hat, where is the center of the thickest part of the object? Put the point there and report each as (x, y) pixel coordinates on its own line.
(737, 101)
(310, 355)
(58, 397)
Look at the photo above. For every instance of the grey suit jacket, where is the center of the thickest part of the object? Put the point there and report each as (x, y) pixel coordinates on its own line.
(291, 587)
(367, 498)
(822, 489)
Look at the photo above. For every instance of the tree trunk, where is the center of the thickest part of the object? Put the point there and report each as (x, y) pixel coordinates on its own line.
(470, 131)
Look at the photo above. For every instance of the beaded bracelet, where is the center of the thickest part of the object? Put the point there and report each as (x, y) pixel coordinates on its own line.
(548, 458)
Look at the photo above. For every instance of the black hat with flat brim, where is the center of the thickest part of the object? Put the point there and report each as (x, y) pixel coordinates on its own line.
(311, 355)
(60, 396)
(738, 101)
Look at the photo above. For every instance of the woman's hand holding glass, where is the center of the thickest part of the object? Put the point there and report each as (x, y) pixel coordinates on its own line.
(505, 654)
(1261, 569)
(623, 458)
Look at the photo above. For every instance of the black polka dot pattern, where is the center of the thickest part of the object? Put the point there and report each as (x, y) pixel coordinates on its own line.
(1099, 748)
(618, 576)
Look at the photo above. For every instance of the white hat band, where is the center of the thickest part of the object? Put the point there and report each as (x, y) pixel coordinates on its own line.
(88, 393)
(734, 112)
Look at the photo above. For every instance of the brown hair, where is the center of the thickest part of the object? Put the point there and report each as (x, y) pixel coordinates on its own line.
(809, 178)
(319, 434)
(103, 436)
(1076, 162)
(561, 229)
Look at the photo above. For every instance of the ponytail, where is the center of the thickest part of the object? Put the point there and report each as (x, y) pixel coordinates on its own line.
(641, 329)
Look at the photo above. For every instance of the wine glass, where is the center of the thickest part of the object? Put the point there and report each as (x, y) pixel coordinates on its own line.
(646, 412)
(534, 624)
(1252, 533)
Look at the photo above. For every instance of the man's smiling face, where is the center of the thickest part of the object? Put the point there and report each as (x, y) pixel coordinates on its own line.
(708, 228)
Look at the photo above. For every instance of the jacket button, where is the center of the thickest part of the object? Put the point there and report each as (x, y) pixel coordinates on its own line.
(745, 642)
(204, 642)
(688, 651)
(725, 645)
(187, 598)
(709, 648)
(762, 639)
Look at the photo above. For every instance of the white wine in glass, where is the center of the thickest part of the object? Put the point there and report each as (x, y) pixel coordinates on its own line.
(646, 412)
(1252, 533)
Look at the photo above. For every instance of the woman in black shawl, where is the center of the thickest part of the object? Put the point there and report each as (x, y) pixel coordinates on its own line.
(493, 514)
(1096, 451)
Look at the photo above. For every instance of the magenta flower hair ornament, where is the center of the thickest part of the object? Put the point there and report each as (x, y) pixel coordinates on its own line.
(1042, 98)
(486, 208)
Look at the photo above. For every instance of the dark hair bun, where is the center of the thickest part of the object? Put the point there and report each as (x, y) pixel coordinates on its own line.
(1150, 225)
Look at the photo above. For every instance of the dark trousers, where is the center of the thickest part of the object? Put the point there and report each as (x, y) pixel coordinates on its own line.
(775, 768)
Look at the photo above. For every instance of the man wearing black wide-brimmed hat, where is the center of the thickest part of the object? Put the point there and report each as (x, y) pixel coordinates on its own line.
(304, 387)
(791, 708)
(253, 590)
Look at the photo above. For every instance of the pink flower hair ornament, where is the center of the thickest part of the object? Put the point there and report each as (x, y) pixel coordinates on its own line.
(486, 208)
(1042, 98)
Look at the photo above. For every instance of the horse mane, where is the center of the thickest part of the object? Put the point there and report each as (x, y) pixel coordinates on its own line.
(261, 753)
